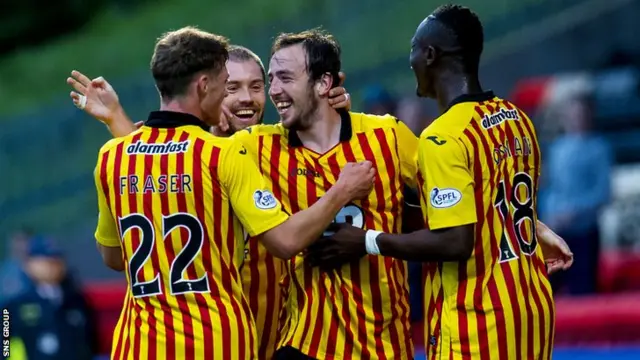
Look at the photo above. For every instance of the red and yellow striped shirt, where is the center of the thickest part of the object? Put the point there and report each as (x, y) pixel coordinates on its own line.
(176, 199)
(261, 274)
(360, 311)
(479, 163)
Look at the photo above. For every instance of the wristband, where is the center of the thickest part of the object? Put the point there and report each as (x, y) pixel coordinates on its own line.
(370, 242)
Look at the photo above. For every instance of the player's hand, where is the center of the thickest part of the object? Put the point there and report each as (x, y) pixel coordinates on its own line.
(356, 180)
(222, 129)
(339, 98)
(345, 244)
(555, 250)
(101, 99)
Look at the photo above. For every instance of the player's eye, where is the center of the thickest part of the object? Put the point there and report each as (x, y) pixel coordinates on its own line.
(232, 88)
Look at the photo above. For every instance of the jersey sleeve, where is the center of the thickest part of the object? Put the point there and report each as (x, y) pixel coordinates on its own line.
(251, 200)
(248, 140)
(407, 151)
(106, 232)
(448, 181)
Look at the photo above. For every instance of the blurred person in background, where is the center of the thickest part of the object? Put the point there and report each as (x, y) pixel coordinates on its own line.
(378, 101)
(51, 319)
(578, 185)
(13, 279)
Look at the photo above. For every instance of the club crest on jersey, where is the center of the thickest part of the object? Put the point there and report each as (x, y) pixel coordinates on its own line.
(444, 198)
(495, 119)
(171, 147)
(264, 199)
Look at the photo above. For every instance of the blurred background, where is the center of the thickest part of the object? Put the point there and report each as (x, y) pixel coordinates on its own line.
(572, 65)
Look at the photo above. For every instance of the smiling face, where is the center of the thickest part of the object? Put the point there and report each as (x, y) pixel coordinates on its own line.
(291, 89)
(245, 94)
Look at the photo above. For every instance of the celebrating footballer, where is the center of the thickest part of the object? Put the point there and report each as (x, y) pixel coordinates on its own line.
(322, 190)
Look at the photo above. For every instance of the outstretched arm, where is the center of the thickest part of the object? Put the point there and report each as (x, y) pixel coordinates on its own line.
(98, 98)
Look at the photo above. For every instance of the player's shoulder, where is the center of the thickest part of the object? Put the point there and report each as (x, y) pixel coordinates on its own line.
(113, 143)
(362, 122)
(465, 111)
(453, 121)
(261, 130)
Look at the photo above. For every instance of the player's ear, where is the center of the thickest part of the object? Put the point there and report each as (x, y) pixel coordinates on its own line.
(202, 83)
(324, 84)
(430, 55)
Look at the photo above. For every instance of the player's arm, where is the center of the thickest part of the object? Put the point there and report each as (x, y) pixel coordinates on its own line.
(451, 215)
(556, 252)
(451, 207)
(100, 101)
(412, 219)
(451, 226)
(262, 216)
(108, 240)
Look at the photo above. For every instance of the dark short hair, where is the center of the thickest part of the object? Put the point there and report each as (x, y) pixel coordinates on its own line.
(468, 31)
(240, 53)
(323, 52)
(181, 54)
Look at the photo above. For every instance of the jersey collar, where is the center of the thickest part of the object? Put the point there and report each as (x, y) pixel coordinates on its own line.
(172, 119)
(346, 131)
(477, 97)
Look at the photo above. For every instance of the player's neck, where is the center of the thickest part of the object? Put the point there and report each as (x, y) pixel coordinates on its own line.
(451, 86)
(181, 107)
(324, 132)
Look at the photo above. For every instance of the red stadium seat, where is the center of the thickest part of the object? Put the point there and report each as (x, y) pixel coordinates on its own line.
(106, 299)
(602, 320)
(598, 320)
(619, 271)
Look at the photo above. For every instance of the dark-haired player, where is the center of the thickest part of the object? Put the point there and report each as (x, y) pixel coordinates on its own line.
(487, 294)
(359, 311)
(245, 102)
(174, 201)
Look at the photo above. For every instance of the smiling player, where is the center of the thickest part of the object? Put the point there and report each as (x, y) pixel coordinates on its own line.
(487, 295)
(245, 102)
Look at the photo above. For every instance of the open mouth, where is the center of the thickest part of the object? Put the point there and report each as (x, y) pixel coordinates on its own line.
(283, 106)
(244, 114)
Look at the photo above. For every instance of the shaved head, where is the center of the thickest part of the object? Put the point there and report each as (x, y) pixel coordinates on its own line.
(432, 32)
(449, 39)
